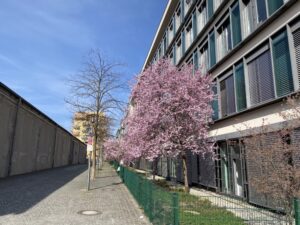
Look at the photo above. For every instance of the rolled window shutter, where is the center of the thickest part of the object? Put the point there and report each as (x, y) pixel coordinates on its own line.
(296, 37)
(230, 95)
(240, 87)
(236, 25)
(253, 82)
(260, 75)
(273, 5)
(282, 65)
(223, 98)
(215, 105)
(265, 76)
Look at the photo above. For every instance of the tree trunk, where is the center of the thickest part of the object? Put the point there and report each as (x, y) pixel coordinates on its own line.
(154, 169)
(186, 181)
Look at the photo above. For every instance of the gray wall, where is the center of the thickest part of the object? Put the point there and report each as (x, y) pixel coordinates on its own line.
(30, 141)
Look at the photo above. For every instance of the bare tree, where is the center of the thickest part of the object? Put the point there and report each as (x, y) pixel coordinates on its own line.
(97, 91)
(274, 157)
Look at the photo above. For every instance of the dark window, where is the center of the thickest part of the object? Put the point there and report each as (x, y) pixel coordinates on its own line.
(236, 25)
(195, 59)
(215, 105)
(282, 64)
(194, 25)
(165, 44)
(261, 10)
(212, 49)
(260, 75)
(210, 8)
(227, 96)
(273, 5)
(240, 87)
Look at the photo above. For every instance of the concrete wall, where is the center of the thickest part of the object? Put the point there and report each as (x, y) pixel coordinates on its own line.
(30, 141)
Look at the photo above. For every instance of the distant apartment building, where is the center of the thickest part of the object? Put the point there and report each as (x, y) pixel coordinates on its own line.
(252, 50)
(81, 126)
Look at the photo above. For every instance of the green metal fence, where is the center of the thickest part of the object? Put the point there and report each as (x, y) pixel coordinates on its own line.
(223, 210)
(163, 207)
(160, 206)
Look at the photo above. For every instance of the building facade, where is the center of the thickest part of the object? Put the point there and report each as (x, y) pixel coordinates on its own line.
(252, 50)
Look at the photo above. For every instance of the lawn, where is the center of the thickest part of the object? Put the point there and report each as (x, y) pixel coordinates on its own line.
(197, 211)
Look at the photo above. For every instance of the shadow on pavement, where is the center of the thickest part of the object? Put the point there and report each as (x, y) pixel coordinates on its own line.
(105, 186)
(20, 193)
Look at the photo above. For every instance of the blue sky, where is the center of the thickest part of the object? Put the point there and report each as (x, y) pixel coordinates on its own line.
(44, 41)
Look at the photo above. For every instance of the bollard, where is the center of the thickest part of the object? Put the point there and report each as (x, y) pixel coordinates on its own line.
(297, 210)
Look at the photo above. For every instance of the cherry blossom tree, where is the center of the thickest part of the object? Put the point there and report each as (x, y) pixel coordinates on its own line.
(170, 116)
(112, 150)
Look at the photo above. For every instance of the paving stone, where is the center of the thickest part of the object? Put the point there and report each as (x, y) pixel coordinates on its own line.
(56, 196)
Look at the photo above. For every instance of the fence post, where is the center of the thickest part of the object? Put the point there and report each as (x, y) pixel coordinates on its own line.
(175, 209)
(297, 210)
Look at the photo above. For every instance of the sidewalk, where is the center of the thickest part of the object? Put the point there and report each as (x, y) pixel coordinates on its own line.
(58, 196)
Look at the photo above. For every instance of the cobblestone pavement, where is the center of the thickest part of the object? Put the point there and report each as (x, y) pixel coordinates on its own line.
(56, 196)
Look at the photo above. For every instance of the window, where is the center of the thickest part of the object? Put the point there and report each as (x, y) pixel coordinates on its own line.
(178, 51)
(273, 5)
(203, 59)
(282, 64)
(178, 18)
(194, 25)
(188, 35)
(217, 3)
(215, 105)
(196, 60)
(201, 17)
(260, 76)
(296, 40)
(253, 13)
(159, 54)
(227, 96)
(210, 8)
(261, 10)
(172, 56)
(171, 31)
(183, 43)
(212, 49)
(187, 5)
(249, 19)
(240, 90)
(236, 24)
(224, 39)
(165, 44)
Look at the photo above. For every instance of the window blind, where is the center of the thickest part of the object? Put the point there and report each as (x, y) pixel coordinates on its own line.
(282, 64)
(227, 96)
(240, 87)
(296, 37)
(260, 75)
(215, 105)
